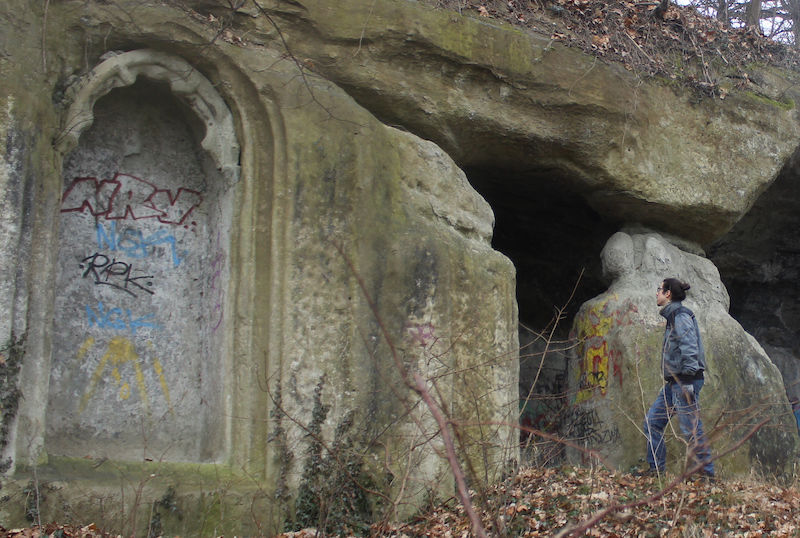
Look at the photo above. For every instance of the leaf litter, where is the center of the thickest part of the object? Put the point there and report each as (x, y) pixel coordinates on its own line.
(679, 43)
(548, 501)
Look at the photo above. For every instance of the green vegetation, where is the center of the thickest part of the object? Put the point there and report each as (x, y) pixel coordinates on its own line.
(787, 105)
(10, 363)
(333, 491)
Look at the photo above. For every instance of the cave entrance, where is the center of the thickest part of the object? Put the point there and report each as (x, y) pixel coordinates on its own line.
(759, 263)
(554, 240)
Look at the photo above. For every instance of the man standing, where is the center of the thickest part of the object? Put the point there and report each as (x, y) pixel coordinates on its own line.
(682, 365)
(796, 410)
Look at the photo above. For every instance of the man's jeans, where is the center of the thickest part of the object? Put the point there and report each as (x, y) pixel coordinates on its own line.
(672, 399)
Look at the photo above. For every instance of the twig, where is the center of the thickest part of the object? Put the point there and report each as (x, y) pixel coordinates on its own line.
(558, 317)
(297, 62)
(364, 28)
(36, 493)
(594, 62)
(421, 389)
(640, 48)
(550, 437)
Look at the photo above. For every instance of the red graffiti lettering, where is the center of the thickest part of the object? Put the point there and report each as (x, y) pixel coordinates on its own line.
(86, 193)
(128, 197)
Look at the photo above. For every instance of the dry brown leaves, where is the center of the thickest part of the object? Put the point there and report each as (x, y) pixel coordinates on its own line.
(679, 44)
(57, 531)
(544, 502)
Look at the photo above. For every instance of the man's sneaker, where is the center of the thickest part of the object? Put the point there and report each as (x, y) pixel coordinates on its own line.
(652, 471)
(708, 478)
(702, 477)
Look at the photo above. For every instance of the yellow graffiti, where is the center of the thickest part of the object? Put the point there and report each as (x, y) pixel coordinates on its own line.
(160, 372)
(592, 331)
(121, 352)
(85, 347)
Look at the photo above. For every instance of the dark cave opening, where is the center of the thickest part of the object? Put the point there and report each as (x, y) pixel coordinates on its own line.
(759, 263)
(554, 238)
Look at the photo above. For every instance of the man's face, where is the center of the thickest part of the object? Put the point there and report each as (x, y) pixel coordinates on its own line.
(662, 297)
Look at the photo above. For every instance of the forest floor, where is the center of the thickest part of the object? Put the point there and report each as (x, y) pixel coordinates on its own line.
(555, 501)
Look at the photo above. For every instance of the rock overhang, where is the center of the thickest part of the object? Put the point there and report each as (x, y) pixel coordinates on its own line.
(643, 150)
(492, 95)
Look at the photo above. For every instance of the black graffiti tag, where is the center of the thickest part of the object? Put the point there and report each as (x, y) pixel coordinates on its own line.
(110, 272)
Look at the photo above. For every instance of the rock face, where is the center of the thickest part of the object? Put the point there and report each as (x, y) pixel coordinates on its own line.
(228, 234)
(615, 373)
(240, 273)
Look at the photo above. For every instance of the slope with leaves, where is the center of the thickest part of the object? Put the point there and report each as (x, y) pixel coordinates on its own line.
(680, 44)
(550, 502)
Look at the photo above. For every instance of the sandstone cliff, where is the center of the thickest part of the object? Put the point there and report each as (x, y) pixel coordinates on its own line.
(226, 233)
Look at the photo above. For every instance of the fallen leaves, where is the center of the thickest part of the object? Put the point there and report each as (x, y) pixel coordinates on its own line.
(628, 32)
(599, 41)
(63, 531)
(543, 502)
(546, 501)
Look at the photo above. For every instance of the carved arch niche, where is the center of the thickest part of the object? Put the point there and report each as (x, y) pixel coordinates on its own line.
(139, 335)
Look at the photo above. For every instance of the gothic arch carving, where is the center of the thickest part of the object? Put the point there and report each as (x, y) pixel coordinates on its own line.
(122, 69)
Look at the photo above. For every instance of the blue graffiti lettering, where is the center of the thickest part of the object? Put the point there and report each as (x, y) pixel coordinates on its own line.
(135, 244)
(119, 319)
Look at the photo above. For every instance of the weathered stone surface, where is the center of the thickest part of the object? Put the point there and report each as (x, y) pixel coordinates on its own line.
(615, 373)
(212, 299)
(333, 250)
(494, 96)
(143, 274)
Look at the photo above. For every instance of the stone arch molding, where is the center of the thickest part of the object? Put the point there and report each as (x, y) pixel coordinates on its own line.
(122, 69)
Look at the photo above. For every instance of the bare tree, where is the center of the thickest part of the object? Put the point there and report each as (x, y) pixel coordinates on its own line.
(753, 14)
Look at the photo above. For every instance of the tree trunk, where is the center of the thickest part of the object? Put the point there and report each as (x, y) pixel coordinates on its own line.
(722, 12)
(753, 15)
(794, 13)
(662, 8)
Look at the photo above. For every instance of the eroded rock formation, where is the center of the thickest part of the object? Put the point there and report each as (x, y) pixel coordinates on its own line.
(616, 370)
(326, 218)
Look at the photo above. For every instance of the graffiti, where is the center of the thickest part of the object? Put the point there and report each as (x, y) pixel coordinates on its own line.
(585, 425)
(120, 356)
(598, 361)
(544, 404)
(134, 243)
(128, 197)
(541, 412)
(422, 333)
(119, 319)
(119, 275)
